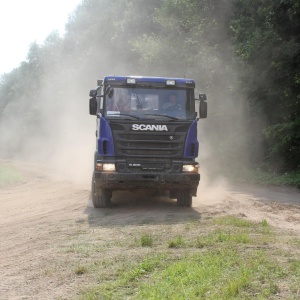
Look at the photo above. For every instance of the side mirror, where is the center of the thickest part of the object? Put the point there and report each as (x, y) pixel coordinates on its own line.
(202, 109)
(202, 97)
(93, 106)
(93, 93)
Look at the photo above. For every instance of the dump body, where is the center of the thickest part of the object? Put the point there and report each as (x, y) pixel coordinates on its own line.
(146, 137)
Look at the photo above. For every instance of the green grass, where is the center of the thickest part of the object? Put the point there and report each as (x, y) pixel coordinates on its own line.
(232, 221)
(9, 176)
(176, 242)
(221, 258)
(146, 240)
(265, 178)
(217, 274)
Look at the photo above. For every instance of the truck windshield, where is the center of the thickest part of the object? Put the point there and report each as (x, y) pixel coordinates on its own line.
(149, 103)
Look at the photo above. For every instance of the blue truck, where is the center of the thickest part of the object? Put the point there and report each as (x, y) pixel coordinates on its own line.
(146, 137)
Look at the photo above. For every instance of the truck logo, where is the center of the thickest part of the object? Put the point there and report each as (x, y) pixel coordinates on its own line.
(144, 127)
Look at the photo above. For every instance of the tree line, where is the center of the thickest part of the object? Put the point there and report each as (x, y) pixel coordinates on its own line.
(245, 55)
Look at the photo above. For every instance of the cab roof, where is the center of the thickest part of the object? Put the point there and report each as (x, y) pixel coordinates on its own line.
(149, 81)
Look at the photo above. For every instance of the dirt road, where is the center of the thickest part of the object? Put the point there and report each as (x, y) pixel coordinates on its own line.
(40, 218)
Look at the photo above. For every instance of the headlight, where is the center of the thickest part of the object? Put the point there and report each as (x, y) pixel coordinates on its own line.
(105, 167)
(190, 168)
(109, 167)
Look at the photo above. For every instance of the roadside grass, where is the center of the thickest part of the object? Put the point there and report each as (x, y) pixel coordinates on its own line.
(264, 178)
(9, 176)
(224, 257)
(146, 240)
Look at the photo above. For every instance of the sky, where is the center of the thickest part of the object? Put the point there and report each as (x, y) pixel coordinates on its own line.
(23, 22)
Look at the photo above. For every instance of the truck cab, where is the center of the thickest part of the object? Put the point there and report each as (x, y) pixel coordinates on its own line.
(146, 137)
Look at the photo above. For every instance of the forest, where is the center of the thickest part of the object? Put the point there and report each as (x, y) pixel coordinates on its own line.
(245, 55)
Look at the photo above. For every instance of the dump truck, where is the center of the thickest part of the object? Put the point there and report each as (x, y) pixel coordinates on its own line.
(146, 137)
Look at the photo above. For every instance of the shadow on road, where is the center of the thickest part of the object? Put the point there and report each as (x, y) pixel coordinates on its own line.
(139, 209)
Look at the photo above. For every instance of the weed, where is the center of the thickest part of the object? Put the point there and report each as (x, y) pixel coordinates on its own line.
(80, 270)
(146, 240)
(177, 242)
(200, 242)
(274, 288)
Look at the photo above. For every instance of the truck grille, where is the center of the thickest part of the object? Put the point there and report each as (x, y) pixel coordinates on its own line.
(129, 143)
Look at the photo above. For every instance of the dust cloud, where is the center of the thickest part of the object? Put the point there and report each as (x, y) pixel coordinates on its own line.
(54, 130)
(59, 134)
(58, 137)
(211, 193)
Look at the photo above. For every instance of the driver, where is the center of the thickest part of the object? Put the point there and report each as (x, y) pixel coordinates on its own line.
(123, 102)
(172, 103)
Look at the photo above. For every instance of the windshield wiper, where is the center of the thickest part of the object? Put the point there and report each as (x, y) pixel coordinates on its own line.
(139, 104)
(159, 115)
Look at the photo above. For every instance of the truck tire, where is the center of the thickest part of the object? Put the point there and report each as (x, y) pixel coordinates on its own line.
(102, 199)
(184, 198)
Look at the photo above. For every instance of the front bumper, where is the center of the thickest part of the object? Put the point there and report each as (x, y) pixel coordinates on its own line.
(125, 181)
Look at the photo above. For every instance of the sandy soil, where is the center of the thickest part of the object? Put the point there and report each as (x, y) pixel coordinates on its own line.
(38, 217)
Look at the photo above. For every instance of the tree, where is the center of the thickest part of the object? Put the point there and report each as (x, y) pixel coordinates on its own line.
(267, 39)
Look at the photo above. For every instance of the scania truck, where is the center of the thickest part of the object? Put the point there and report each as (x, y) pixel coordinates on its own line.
(146, 137)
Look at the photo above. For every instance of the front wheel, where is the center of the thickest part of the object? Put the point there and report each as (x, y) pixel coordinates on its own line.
(102, 199)
(184, 199)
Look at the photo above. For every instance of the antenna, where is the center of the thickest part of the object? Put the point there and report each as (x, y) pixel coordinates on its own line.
(186, 62)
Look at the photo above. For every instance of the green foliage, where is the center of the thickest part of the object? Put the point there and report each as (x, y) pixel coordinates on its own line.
(284, 138)
(267, 40)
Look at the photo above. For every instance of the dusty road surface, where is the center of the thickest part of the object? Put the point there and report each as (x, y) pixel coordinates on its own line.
(40, 218)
